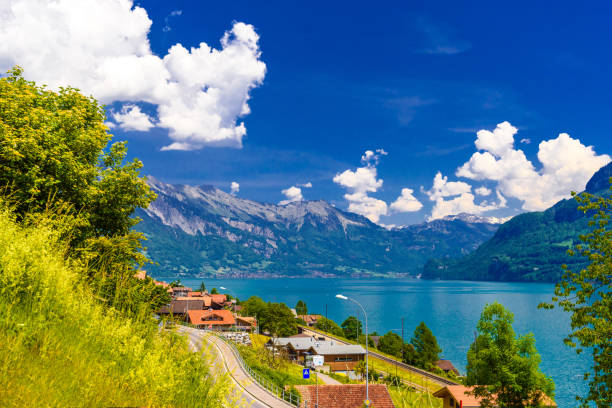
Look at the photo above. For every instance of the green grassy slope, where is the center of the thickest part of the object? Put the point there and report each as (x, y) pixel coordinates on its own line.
(61, 347)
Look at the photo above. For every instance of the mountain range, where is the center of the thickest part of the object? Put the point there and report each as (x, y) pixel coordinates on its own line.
(529, 247)
(204, 231)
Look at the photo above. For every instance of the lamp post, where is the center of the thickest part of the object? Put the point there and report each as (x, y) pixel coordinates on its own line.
(342, 297)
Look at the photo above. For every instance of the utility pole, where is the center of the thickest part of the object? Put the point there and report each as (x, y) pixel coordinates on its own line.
(326, 321)
(402, 339)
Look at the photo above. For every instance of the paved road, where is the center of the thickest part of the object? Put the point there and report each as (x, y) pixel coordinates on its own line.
(254, 395)
(430, 376)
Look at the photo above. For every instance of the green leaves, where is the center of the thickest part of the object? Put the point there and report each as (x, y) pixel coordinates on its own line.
(503, 368)
(586, 295)
(55, 166)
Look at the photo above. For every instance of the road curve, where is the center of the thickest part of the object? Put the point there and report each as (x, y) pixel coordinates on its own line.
(432, 377)
(254, 395)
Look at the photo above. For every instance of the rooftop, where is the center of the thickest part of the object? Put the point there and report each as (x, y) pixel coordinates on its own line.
(345, 396)
(321, 347)
(211, 317)
(460, 394)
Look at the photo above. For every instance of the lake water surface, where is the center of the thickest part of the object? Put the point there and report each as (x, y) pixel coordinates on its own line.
(450, 309)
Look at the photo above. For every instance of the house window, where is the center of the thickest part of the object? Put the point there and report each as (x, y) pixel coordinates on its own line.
(340, 359)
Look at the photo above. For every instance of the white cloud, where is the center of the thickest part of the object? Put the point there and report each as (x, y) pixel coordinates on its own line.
(406, 202)
(292, 194)
(526, 140)
(132, 118)
(566, 165)
(462, 201)
(234, 187)
(306, 185)
(102, 48)
(373, 156)
(361, 182)
(482, 191)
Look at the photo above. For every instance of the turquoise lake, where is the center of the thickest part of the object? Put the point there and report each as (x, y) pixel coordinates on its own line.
(450, 309)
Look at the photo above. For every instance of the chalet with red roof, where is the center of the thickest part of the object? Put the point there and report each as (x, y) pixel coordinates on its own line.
(212, 319)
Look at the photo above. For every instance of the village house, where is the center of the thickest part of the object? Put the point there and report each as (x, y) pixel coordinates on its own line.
(180, 306)
(337, 356)
(457, 396)
(446, 366)
(212, 319)
(179, 291)
(246, 323)
(344, 396)
(310, 320)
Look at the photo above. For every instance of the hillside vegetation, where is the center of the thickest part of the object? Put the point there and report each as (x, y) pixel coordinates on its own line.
(61, 347)
(531, 247)
(76, 326)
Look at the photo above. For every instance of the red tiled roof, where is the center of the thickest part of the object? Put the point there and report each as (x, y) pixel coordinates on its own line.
(345, 396)
(211, 317)
(459, 393)
(219, 298)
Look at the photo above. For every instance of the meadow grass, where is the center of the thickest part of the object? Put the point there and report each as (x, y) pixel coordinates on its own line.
(59, 346)
(405, 398)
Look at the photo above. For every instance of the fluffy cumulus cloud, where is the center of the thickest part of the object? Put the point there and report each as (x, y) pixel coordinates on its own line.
(456, 197)
(306, 185)
(234, 187)
(361, 182)
(566, 165)
(102, 48)
(406, 202)
(292, 194)
(132, 118)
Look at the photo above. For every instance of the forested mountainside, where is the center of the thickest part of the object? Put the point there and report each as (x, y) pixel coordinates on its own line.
(208, 232)
(530, 247)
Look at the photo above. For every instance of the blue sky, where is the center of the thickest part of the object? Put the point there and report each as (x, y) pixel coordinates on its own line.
(415, 79)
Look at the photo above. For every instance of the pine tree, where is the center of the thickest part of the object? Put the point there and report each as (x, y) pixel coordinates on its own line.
(425, 346)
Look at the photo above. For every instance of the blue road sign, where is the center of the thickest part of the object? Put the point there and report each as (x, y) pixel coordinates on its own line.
(306, 373)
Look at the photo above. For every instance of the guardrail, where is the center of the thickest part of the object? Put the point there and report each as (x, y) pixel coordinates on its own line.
(263, 382)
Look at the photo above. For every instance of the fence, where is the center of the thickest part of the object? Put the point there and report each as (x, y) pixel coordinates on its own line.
(263, 382)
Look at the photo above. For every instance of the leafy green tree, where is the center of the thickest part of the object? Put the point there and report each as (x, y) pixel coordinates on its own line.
(351, 327)
(503, 365)
(586, 295)
(425, 346)
(279, 320)
(301, 308)
(176, 283)
(391, 343)
(329, 326)
(410, 355)
(254, 306)
(214, 291)
(275, 318)
(55, 159)
(202, 288)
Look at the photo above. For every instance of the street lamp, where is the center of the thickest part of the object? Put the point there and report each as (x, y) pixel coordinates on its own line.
(342, 297)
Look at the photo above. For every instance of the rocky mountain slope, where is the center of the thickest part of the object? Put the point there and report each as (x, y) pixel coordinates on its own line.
(530, 247)
(207, 232)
